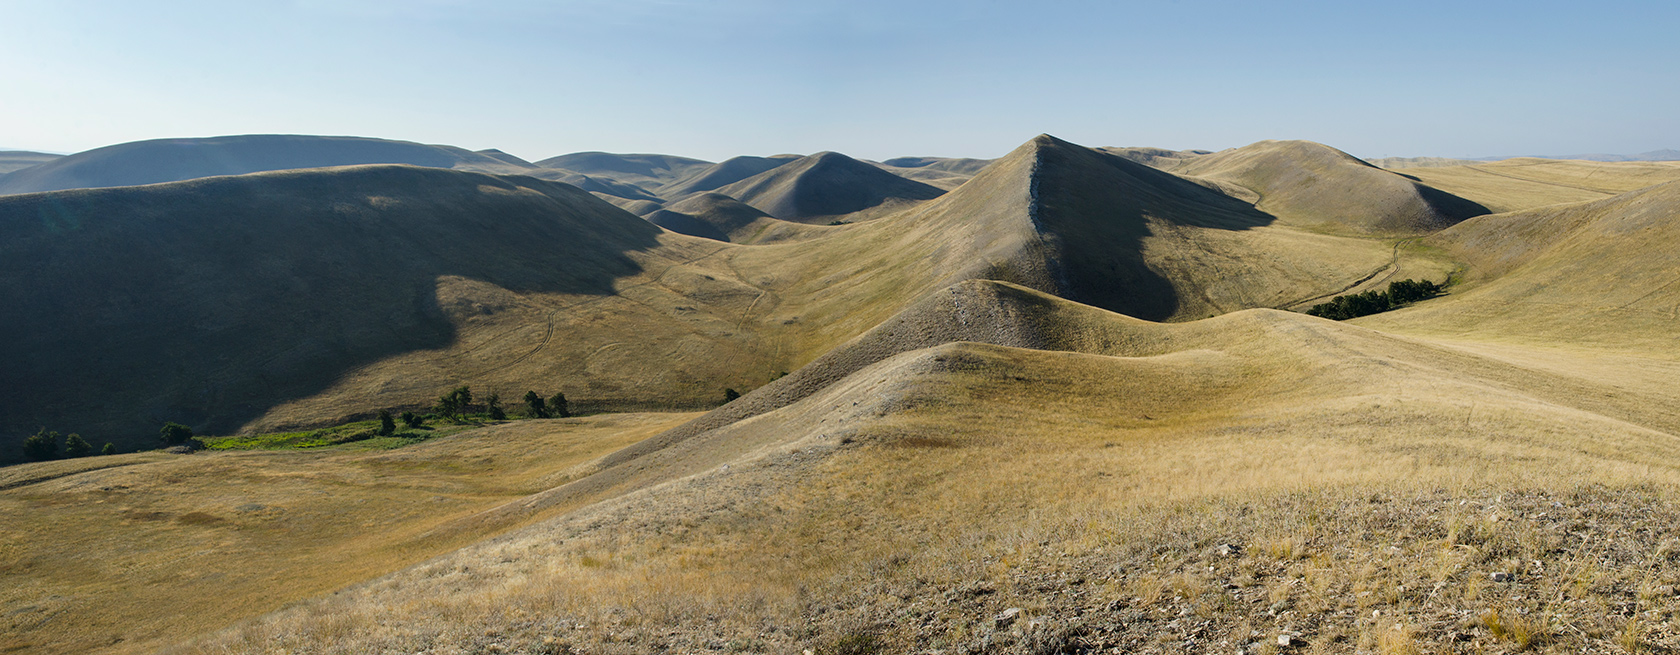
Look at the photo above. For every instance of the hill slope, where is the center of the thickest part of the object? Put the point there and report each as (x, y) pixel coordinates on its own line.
(728, 171)
(171, 160)
(1313, 185)
(1517, 184)
(1599, 273)
(973, 478)
(638, 169)
(11, 160)
(225, 294)
(822, 185)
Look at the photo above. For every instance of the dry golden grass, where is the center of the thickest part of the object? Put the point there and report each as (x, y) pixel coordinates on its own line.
(128, 558)
(1371, 482)
(1526, 183)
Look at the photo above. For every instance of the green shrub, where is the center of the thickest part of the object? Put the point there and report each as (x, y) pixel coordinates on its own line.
(175, 434)
(76, 446)
(558, 406)
(412, 420)
(387, 425)
(493, 406)
(729, 395)
(42, 445)
(535, 406)
(1399, 293)
(109, 449)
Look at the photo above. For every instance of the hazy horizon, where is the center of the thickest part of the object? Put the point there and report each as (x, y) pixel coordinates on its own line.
(871, 79)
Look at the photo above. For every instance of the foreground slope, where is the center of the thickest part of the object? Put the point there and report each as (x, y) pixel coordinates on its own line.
(171, 160)
(1313, 185)
(912, 500)
(148, 547)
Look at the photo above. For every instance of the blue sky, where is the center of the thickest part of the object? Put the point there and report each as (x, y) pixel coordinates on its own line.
(870, 78)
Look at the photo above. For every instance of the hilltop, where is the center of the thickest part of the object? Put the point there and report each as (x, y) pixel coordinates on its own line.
(823, 185)
(171, 160)
(1315, 185)
(12, 160)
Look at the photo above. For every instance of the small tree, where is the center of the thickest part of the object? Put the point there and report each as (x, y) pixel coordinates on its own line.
(175, 434)
(446, 406)
(109, 449)
(535, 406)
(412, 420)
(463, 398)
(42, 445)
(76, 446)
(387, 426)
(493, 405)
(558, 405)
(729, 395)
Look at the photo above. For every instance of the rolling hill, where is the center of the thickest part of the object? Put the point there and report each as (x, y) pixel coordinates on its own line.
(1318, 186)
(1597, 274)
(171, 160)
(638, 169)
(1518, 184)
(1056, 408)
(823, 185)
(224, 295)
(729, 171)
(12, 160)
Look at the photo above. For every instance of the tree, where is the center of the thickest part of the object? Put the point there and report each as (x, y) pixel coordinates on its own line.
(454, 403)
(42, 445)
(729, 395)
(535, 406)
(493, 405)
(412, 420)
(558, 405)
(446, 406)
(387, 426)
(76, 446)
(109, 449)
(175, 434)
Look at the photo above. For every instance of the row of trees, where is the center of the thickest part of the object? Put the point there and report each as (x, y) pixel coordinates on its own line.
(1355, 305)
(43, 445)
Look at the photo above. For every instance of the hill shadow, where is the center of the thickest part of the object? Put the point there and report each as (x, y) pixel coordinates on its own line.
(210, 301)
(1099, 209)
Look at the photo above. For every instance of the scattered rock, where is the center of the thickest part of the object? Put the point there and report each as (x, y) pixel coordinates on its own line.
(1499, 576)
(1228, 550)
(1284, 640)
(1006, 618)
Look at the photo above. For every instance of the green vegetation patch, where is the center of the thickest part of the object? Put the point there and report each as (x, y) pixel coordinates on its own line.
(360, 431)
(1399, 294)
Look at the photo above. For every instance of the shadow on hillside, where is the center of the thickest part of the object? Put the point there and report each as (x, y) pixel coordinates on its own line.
(209, 302)
(1099, 207)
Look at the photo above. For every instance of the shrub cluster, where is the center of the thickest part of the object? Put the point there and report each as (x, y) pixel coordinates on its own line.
(1355, 305)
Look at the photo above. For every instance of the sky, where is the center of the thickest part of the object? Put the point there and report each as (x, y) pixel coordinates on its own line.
(871, 78)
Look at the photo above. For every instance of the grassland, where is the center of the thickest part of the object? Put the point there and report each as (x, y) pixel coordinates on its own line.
(150, 547)
(961, 457)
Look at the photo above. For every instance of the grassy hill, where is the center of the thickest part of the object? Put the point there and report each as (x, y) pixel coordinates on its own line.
(206, 302)
(915, 499)
(1313, 185)
(1054, 409)
(824, 185)
(1584, 274)
(1526, 183)
(639, 169)
(723, 173)
(11, 160)
(171, 160)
